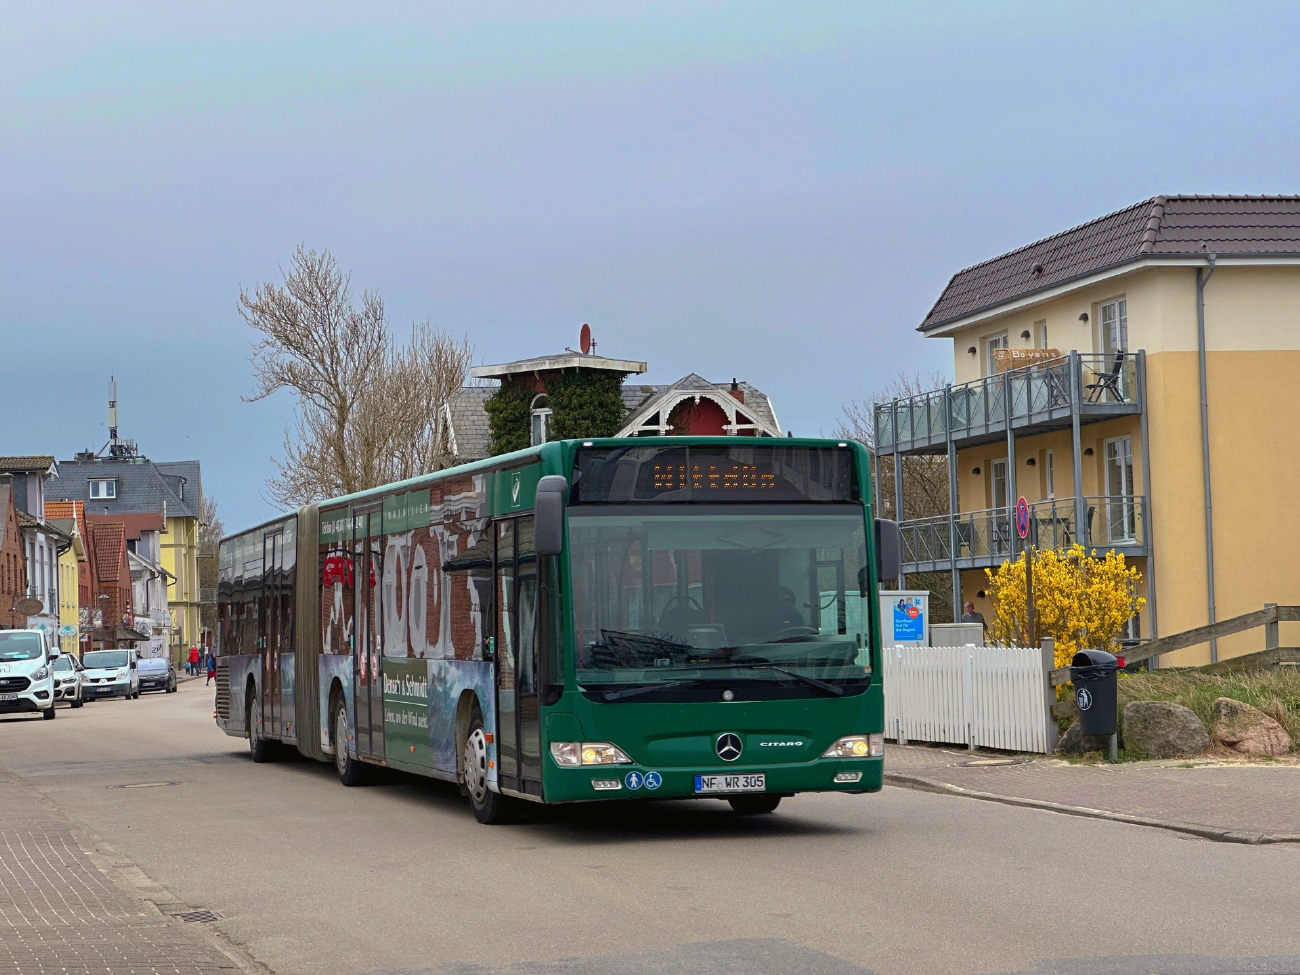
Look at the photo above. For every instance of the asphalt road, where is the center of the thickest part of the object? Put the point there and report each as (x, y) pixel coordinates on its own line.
(315, 878)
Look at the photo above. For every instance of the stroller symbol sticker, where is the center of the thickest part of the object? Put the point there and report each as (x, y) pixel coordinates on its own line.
(1084, 698)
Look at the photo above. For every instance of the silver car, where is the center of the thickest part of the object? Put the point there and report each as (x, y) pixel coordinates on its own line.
(67, 679)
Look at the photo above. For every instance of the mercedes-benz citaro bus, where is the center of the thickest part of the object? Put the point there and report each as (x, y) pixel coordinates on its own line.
(649, 618)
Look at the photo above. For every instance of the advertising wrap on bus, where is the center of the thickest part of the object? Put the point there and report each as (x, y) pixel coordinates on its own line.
(691, 617)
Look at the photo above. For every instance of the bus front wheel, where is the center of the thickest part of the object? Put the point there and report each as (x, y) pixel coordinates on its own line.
(490, 807)
(754, 805)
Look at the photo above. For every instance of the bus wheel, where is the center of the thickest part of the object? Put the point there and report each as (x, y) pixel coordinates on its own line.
(490, 807)
(351, 772)
(259, 749)
(754, 805)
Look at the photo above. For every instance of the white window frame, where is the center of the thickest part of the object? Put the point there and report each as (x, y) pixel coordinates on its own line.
(1040, 334)
(99, 482)
(1049, 472)
(539, 411)
(991, 344)
(1119, 504)
(1118, 323)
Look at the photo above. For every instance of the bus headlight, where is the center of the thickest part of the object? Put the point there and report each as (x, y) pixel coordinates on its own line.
(41, 674)
(857, 746)
(588, 753)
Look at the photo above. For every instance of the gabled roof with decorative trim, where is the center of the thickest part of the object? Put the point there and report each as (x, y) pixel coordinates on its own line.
(1163, 226)
(752, 415)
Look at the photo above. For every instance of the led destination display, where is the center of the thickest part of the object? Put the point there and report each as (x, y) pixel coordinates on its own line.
(713, 475)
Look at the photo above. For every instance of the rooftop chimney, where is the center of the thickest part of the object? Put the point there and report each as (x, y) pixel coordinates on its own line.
(736, 391)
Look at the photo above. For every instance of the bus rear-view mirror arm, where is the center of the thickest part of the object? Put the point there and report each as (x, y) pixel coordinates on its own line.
(889, 545)
(548, 514)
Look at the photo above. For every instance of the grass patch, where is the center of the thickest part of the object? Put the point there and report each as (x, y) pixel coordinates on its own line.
(1275, 692)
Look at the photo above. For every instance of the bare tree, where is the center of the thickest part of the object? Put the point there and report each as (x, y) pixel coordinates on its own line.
(925, 478)
(368, 410)
(211, 531)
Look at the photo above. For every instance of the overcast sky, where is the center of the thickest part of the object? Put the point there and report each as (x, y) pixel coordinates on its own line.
(776, 192)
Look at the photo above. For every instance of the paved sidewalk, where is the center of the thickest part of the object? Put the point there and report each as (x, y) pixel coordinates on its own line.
(1232, 802)
(61, 912)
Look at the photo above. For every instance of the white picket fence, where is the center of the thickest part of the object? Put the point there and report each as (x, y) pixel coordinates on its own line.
(990, 697)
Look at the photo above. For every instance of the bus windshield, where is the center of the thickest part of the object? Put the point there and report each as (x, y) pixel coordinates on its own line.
(759, 597)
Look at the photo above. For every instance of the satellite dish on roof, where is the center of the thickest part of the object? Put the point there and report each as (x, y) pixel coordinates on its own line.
(584, 339)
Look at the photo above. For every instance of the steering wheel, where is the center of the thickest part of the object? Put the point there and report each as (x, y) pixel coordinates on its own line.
(690, 601)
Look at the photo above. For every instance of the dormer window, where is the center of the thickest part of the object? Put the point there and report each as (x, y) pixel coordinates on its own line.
(102, 489)
(541, 419)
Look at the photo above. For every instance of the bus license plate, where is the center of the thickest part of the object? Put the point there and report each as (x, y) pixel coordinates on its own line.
(8, 697)
(731, 783)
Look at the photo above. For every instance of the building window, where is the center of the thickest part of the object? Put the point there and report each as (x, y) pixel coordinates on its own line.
(1040, 330)
(102, 489)
(991, 345)
(541, 419)
(1114, 326)
(1049, 475)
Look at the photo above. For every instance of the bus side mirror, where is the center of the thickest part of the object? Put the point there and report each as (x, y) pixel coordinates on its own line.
(889, 544)
(548, 514)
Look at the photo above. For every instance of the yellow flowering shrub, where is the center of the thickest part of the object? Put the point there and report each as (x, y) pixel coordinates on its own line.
(1080, 600)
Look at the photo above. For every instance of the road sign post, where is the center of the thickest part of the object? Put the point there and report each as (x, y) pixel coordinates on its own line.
(1022, 529)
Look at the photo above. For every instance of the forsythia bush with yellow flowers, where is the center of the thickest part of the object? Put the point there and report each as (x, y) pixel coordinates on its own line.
(1080, 600)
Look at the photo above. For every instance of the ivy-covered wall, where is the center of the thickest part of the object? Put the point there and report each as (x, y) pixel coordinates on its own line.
(583, 404)
(508, 411)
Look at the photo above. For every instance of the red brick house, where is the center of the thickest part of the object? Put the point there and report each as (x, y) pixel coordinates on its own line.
(13, 566)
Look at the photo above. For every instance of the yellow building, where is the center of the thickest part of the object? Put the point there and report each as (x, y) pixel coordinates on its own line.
(1111, 440)
(69, 606)
(123, 482)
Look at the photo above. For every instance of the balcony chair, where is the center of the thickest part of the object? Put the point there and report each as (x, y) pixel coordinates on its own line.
(1108, 381)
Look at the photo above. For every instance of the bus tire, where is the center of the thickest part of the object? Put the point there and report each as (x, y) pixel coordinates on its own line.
(490, 808)
(351, 772)
(754, 805)
(259, 749)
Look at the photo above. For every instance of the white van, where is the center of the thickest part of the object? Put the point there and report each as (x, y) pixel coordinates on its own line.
(26, 677)
(110, 673)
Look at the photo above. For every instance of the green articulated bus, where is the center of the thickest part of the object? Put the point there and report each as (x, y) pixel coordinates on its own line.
(646, 618)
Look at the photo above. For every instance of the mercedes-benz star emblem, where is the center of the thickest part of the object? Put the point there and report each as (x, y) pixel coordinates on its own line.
(728, 747)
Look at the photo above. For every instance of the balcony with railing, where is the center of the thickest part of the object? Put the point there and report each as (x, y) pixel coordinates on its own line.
(1039, 397)
(980, 539)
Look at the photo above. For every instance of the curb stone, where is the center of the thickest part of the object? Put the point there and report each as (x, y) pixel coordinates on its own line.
(923, 784)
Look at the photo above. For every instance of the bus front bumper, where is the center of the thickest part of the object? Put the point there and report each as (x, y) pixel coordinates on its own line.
(591, 782)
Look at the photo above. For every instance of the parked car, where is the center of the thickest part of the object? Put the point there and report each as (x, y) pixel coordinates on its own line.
(157, 674)
(26, 681)
(110, 673)
(67, 679)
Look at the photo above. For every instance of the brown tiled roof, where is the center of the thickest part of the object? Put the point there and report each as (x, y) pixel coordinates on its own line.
(21, 465)
(109, 542)
(1163, 226)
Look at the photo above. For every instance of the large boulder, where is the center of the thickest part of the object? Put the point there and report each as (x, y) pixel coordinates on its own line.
(1247, 729)
(1163, 729)
(1075, 742)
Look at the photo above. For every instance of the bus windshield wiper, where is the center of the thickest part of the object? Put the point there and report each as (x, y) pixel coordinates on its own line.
(810, 681)
(646, 689)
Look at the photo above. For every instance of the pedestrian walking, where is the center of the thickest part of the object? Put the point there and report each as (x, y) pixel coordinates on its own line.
(192, 665)
(212, 668)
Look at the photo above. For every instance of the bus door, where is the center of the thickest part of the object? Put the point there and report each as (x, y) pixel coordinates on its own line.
(269, 637)
(367, 658)
(519, 758)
